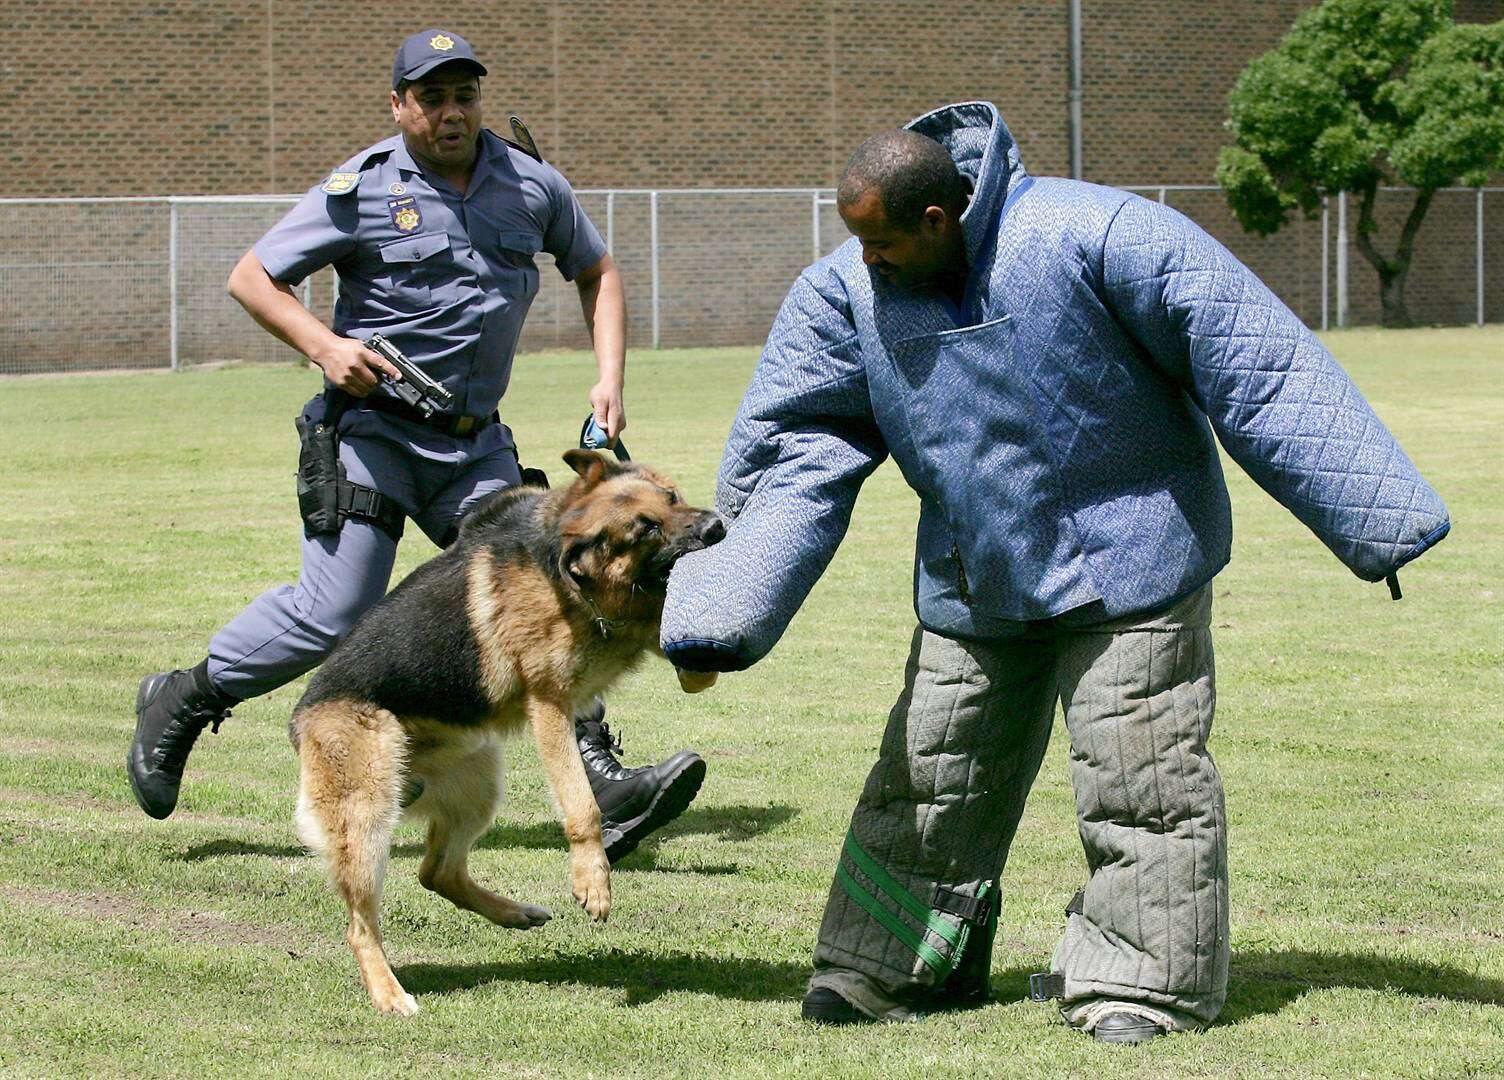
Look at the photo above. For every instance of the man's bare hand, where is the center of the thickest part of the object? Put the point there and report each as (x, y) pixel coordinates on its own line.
(352, 367)
(610, 413)
(692, 682)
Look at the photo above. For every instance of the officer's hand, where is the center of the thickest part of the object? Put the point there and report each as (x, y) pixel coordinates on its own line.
(610, 413)
(352, 367)
(692, 682)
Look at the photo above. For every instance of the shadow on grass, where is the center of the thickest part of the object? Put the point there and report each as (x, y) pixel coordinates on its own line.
(730, 823)
(215, 849)
(643, 976)
(1265, 982)
(1262, 983)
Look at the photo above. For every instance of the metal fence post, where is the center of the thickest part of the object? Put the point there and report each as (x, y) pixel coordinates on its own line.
(1341, 259)
(1326, 244)
(611, 222)
(814, 223)
(1161, 196)
(172, 277)
(1480, 256)
(653, 243)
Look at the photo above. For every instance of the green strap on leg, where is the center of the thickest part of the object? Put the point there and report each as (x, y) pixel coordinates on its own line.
(905, 899)
(892, 923)
(953, 935)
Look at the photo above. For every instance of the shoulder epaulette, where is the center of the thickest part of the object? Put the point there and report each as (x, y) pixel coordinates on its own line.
(522, 139)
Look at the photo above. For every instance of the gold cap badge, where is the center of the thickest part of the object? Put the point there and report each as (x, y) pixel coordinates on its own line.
(441, 42)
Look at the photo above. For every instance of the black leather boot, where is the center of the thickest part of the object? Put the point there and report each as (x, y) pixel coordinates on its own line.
(636, 801)
(824, 1006)
(172, 709)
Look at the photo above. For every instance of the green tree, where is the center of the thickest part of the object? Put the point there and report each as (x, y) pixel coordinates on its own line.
(1363, 93)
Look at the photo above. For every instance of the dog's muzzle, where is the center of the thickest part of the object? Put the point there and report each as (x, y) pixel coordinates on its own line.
(710, 529)
(707, 529)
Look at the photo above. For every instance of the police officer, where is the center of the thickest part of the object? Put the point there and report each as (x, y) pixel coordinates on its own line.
(433, 233)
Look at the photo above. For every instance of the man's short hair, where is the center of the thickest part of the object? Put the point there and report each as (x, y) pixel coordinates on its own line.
(910, 172)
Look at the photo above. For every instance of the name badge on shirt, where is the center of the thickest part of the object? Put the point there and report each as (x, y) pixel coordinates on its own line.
(406, 217)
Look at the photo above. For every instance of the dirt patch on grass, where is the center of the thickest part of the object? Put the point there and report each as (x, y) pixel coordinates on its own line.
(31, 746)
(126, 815)
(191, 926)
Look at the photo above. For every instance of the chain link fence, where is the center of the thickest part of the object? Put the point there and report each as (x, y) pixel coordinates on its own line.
(91, 284)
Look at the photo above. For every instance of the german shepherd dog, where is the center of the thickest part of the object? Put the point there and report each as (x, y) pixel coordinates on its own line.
(544, 600)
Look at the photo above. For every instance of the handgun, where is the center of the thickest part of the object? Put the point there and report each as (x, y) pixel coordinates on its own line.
(415, 388)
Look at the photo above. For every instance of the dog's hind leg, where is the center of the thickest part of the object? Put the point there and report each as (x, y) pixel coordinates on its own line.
(460, 807)
(589, 870)
(352, 773)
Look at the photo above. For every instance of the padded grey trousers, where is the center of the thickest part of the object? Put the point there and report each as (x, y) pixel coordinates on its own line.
(940, 808)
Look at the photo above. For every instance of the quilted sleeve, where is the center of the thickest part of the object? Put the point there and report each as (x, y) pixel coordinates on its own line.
(1278, 401)
(803, 441)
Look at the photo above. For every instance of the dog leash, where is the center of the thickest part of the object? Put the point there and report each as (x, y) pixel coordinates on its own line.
(594, 437)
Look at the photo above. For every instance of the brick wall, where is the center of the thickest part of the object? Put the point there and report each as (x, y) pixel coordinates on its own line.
(220, 97)
(112, 97)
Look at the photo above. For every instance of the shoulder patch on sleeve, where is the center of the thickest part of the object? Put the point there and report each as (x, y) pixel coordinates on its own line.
(346, 178)
(340, 183)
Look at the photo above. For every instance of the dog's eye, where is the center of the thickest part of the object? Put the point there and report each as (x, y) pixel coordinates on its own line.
(649, 526)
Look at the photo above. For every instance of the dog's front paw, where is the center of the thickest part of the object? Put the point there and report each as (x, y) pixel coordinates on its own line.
(590, 877)
(396, 1003)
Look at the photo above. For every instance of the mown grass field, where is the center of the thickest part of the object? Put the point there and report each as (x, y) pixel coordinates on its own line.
(1360, 742)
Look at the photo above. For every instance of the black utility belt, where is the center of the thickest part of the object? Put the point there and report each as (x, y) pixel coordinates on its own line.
(463, 427)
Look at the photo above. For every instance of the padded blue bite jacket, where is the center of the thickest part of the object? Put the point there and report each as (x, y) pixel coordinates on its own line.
(1057, 426)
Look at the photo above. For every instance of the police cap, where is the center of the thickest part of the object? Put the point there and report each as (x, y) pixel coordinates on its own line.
(424, 51)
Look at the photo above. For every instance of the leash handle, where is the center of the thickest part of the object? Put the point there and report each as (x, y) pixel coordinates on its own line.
(594, 437)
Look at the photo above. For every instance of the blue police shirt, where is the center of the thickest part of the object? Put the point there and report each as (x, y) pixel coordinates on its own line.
(447, 277)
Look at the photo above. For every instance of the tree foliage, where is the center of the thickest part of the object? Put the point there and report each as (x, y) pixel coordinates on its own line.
(1361, 93)
(1450, 109)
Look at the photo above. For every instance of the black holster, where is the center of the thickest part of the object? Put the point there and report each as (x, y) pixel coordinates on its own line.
(319, 472)
(325, 497)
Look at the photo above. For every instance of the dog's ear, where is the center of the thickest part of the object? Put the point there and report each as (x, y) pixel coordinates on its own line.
(591, 467)
(572, 561)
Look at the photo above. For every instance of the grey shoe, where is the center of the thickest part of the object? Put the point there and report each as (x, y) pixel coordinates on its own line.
(1125, 1027)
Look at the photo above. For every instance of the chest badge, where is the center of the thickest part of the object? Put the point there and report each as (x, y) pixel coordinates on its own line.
(406, 217)
(340, 182)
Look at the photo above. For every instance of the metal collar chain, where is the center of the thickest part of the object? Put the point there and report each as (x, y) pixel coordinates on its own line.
(603, 624)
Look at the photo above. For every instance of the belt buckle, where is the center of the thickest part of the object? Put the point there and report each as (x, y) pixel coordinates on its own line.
(463, 425)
